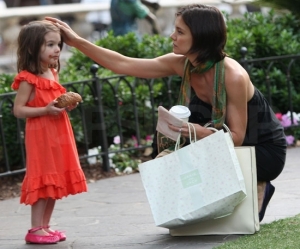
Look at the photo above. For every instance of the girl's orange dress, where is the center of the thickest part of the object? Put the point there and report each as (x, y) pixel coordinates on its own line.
(52, 164)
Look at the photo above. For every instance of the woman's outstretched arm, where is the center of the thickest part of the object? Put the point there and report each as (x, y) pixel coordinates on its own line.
(169, 64)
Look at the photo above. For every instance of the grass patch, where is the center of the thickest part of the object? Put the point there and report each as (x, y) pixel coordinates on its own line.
(281, 234)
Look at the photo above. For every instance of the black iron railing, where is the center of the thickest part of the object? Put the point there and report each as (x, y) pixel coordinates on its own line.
(93, 119)
(286, 63)
(112, 106)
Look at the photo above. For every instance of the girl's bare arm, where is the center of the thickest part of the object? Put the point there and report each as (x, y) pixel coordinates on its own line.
(22, 111)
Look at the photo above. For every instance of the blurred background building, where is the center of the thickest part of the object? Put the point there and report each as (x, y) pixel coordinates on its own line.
(89, 18)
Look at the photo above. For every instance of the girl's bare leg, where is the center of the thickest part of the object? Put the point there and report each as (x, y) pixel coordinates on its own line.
(47, 217)
(48, 212)
(37, 215)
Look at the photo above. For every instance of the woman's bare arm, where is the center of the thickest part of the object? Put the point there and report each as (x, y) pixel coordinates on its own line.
(237, 89)
(145, 68)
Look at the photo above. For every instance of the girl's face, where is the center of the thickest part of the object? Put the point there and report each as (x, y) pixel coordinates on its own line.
(182, 37)
(50, 50)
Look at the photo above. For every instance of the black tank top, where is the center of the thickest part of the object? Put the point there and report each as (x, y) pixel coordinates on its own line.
(262, 126)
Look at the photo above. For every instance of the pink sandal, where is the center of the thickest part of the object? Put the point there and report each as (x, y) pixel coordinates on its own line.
(59, 234)
(32, 238)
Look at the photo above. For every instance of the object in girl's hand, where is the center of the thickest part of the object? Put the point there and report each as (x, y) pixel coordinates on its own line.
(68, 99)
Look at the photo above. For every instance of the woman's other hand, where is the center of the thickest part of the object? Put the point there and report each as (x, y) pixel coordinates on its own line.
(201, 132)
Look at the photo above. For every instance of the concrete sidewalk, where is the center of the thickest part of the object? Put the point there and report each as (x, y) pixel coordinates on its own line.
(115, 214)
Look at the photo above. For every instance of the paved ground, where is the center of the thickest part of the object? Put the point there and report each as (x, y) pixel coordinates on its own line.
(115, 214)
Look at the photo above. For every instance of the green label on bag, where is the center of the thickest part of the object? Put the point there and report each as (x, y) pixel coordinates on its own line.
(190, 179)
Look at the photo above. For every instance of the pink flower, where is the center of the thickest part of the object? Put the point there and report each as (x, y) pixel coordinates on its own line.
(290, 139)
(135, 141)
(117, 140)
(286, 120)
(148, 138)
(279, 115)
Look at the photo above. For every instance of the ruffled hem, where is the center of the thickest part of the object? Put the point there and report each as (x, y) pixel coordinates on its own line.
(52, 186)
(37, 81)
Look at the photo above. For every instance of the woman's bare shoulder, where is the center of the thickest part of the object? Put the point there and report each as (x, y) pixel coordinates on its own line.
(235, 72)
(237, 79)
(175, 61)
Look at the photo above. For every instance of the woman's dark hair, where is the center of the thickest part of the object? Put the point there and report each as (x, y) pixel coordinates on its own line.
(30, 41)
(208, 29)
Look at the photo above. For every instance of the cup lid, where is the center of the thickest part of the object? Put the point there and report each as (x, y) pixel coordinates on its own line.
(180, 111)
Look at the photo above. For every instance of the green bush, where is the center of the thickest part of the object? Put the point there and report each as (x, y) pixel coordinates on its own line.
(262, 35)
(128, 45)
(265, 36)
(5, 82)
(9, 125)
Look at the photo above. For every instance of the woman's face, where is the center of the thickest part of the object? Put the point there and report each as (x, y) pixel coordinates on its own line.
(182, 37)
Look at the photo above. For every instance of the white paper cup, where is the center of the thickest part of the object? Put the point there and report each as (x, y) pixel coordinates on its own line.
(180, 111)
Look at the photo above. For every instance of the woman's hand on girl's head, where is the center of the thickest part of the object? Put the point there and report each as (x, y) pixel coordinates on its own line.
(68, 34)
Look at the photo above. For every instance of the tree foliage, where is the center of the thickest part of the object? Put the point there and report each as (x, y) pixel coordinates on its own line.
(293, 6)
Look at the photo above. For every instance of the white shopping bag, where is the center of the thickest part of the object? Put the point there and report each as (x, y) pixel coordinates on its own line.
(198, 182)
(244, 219)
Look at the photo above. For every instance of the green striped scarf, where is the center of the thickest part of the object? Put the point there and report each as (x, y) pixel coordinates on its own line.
(219, 97)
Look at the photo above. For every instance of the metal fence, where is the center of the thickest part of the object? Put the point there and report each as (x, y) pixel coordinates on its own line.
(118, 105)
(288, 64)
(110, 108)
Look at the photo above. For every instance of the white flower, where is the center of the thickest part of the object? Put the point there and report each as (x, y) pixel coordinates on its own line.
(117, 140)
(112, 165)
(128, 170)
(118, 171)
(295, 115)
(111, 155)
(91, 152)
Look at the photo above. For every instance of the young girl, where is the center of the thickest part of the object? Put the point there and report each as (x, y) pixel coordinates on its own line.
(52, 165)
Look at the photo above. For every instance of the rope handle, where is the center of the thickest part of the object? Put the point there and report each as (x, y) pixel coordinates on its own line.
(177, 145)
(191, 128)
(214, 129)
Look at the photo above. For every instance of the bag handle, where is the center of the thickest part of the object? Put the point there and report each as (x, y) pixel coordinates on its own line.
(194, 130)
(190, 127)
(214, 129)
(177, 145)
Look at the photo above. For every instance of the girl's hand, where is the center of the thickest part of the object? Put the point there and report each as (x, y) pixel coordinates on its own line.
(71, 107)
(52, 110)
